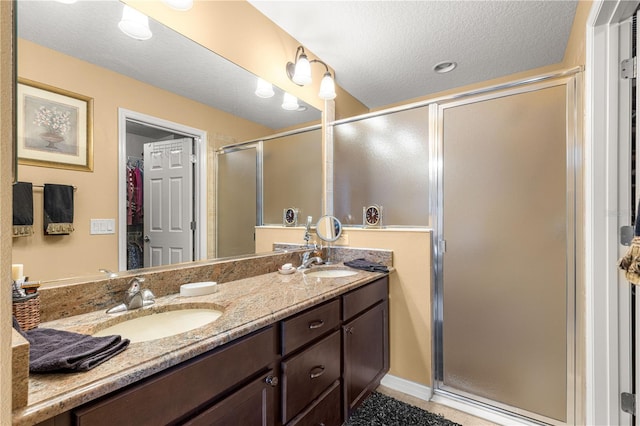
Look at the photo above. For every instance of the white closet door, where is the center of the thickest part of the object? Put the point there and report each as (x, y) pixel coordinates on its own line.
(168, 202)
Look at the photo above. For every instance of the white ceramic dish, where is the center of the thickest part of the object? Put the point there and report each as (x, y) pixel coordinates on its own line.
(198, 289)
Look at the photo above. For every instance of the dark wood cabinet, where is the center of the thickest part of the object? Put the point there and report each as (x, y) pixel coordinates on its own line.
(313, 368)
(366, 354)
(308, 374)
(181, 392)
(324, 411)
(252, 405)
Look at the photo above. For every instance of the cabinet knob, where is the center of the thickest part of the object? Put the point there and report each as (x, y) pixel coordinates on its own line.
(271, 381)
(349, 330)
(316, 324)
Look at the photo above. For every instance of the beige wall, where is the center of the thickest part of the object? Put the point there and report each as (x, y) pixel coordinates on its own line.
(409, 291)
(239, 32)
(6, 157)
(96, 197)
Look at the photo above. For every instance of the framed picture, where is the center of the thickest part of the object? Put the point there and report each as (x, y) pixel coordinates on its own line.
(55, 127)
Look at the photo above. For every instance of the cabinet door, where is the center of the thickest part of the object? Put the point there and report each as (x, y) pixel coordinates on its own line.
(366, 354)
(253, 405)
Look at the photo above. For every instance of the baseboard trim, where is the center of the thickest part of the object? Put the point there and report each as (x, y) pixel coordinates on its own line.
(408, 387)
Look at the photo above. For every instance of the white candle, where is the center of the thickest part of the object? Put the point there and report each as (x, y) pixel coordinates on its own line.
(17, 271)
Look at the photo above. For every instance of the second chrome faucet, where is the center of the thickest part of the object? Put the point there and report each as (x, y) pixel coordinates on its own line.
(135, 297)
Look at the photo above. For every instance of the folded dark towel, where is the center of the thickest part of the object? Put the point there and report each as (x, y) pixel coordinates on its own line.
(22, 209)
(63, 351)
(58, 209)
(366, 265)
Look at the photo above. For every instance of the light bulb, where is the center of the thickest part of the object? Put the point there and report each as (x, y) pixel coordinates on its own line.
(135, 24)
(290, 102)
(302, 74)
(264, 89)
(327, 87)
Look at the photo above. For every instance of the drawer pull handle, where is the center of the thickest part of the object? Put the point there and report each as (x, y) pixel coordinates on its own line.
(271, 381)
(315, 324)
(316, 371)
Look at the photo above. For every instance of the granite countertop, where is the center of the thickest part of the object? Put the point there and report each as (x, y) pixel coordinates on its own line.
(248, 305)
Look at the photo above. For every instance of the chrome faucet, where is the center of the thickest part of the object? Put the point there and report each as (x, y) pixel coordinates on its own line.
(135, 297)
(307, 260)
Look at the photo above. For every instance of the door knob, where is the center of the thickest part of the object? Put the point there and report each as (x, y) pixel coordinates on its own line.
(146, 239)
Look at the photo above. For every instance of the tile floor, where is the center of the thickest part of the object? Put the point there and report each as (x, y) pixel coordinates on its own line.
(454, 415)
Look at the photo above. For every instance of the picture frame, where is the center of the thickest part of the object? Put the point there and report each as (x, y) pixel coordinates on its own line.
(54, 127)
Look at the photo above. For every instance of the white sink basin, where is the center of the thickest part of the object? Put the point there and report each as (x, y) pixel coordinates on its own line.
(330, 273)
(161, 324)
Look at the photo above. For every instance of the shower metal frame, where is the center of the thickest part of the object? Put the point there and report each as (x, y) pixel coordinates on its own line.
(572, 80)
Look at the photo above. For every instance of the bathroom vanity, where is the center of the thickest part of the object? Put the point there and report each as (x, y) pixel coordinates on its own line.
(287, 350)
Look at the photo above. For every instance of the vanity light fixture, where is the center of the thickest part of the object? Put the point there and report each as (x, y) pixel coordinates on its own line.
(290, 102)
(300, 73)
(135, 24)
(182, 5)
(264, 89)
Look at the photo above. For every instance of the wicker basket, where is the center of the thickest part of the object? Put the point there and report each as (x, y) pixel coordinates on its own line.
(27, 312)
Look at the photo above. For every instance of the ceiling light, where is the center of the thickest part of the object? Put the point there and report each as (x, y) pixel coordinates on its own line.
(264, 89)
(300, 73)
(67, 1)
(290, 102)
(181, 5)
(444, 67)
(134, 24)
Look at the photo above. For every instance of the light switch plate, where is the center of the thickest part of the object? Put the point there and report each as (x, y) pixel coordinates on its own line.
(103, 226)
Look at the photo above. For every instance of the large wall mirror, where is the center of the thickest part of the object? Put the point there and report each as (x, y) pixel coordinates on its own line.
(79, 49)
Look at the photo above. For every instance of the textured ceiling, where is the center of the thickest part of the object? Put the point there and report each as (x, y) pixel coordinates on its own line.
(88, 30)
(383, 51)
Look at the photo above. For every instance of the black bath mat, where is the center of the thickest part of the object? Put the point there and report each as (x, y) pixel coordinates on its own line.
(382, 410)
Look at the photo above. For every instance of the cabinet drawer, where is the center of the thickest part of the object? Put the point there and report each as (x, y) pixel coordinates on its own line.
(250, 406)
(307, 326)
(306, 375)
(169, 396)
(325, 411)
(358, 300)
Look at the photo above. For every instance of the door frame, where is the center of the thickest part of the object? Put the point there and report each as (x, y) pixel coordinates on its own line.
(607, 340)
(199, 186)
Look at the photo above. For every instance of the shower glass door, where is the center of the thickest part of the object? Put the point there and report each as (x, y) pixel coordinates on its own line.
(505, 277)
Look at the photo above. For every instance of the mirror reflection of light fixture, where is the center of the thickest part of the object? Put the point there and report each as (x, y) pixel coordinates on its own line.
(290, 102)
(135, 24)
(181, 5)
(264, 89)
(300, 73)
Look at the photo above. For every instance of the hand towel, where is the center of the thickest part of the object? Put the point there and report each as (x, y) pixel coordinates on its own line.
(22, 209)
(58, 209)
(630, 263)
(366, 265)
(64, 351)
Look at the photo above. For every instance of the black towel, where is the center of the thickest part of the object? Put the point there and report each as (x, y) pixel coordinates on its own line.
(64, 351)
(58, 209)
(366, 265)
(22, 209)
